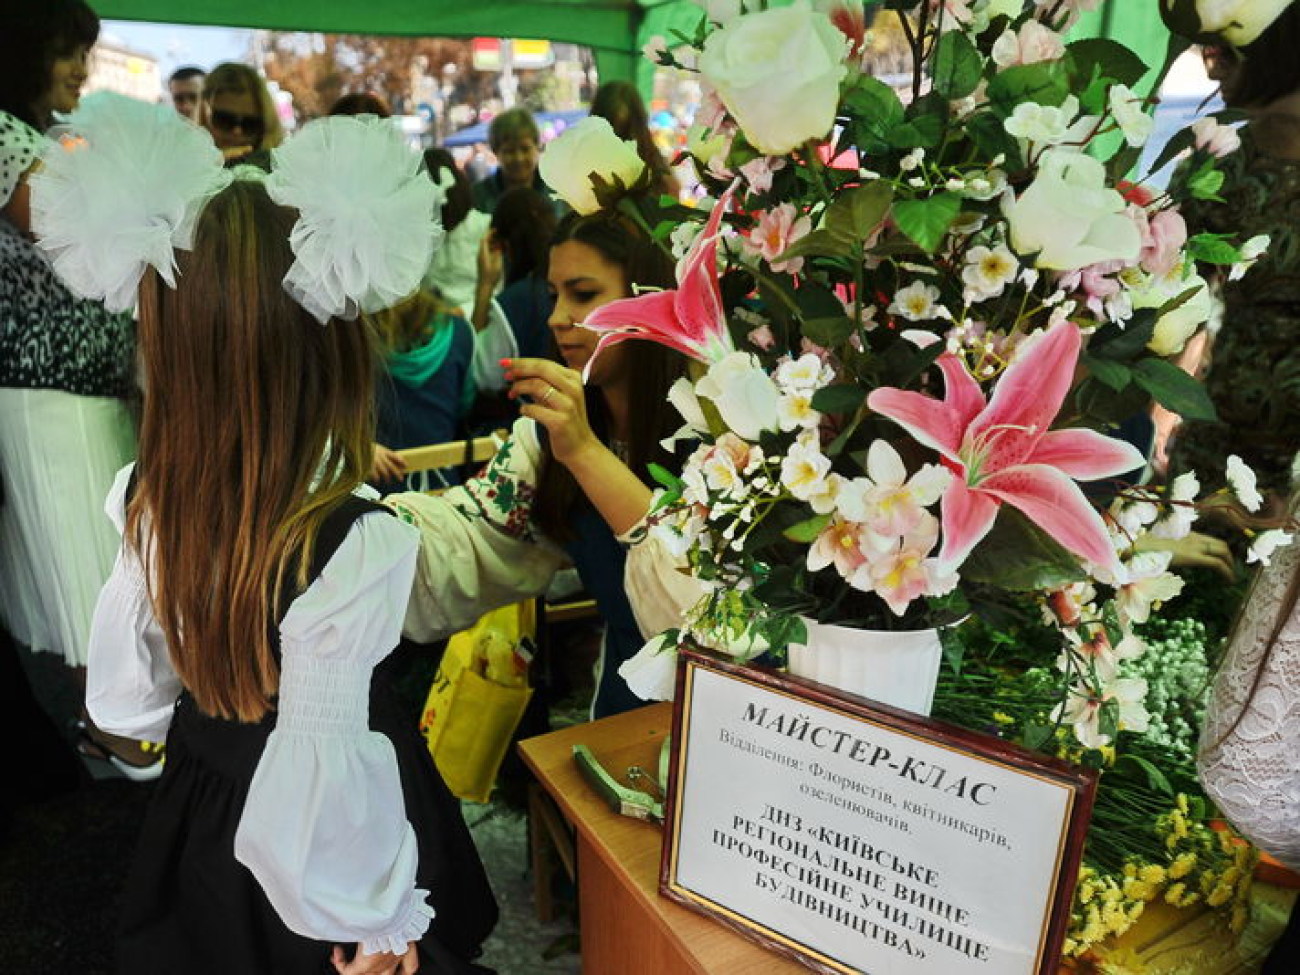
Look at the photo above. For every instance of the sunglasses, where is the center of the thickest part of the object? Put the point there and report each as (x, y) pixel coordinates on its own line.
(229, 121)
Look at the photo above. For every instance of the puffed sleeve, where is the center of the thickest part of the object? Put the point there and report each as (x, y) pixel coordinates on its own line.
(479, 548)
(131, 689)
(324, 827)
(659, 585)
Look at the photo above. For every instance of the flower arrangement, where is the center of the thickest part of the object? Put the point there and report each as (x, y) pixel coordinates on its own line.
(916, 318)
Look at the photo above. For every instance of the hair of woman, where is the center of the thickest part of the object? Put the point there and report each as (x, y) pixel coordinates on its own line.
(1267, 69)
(35, 35)
(524, 224)
(361, 103)
(653, 418)
(242, 79)
(513, 125)
(620, 104)
(460, 195)
(259, 414)
(408, 324)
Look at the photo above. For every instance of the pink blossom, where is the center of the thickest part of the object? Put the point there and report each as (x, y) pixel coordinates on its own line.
(1162, 247)
(1003, 451)
(776, 231)
(689, 318)
(850, 19)
(711, 112)
(762, 338)
(1034, 42)
(1097, 282)
(842, 544)
(654, 47)
(1216, 139)
(758, 172)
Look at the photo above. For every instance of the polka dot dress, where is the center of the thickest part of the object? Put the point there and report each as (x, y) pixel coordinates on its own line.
(20, 144)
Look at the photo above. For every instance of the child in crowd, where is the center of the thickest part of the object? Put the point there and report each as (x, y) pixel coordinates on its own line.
(517, 145)
(299, 822)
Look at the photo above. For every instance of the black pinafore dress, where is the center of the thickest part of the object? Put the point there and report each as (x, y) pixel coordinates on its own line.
(190, 908)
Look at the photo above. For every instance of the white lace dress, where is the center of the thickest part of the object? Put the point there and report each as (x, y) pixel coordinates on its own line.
(1251, 767)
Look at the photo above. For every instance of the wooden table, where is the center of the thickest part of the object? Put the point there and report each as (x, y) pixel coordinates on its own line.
(628, 929)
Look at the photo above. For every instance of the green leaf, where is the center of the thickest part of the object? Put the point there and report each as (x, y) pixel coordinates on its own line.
(986, 131)
(1213, 249)
(1174, 389)
(923, 132)
(956, 65)
(857, 212)
(1206, 182)
(1019, 556)
(1100, 403)
(1036, 735)
(1116, 375)
(817, 301)
(926, 221)
(876, 109)
(841, 398)
(806, 532)
(1178, 300)
(828, 331)
(1044, 82)
(1126, 342)
(1181, 141)
(1101, 56)
(663, 476)
(819, 243)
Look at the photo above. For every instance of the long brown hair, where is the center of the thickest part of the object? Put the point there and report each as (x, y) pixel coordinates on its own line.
(257, 423)
(652, 417)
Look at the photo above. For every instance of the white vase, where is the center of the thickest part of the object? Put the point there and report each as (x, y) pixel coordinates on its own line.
(897, 667)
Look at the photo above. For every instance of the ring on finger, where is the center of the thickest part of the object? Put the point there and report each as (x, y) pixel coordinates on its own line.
(547, 395)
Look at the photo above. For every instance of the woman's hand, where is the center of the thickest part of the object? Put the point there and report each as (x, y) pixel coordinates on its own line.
(1194, 550)
(556, 401)
(491, 262)
(386, 465)
(381, 963)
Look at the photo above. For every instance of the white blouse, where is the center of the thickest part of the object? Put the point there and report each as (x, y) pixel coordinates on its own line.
(1251, 737)
(480, 549)
(324, 826)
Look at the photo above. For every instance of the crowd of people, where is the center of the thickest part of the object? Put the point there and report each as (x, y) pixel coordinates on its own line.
(264, 550)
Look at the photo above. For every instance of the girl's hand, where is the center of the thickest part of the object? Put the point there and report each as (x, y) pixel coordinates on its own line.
(381, 963)
(491, 263)
(555, 400)
(386, 465)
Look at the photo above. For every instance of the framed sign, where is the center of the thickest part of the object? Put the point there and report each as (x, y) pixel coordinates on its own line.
(859, 838)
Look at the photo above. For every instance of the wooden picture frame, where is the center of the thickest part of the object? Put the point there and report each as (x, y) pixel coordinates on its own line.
(825, 827)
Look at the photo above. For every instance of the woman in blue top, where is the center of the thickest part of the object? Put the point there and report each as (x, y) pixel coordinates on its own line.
(428, 388)
(571, 482)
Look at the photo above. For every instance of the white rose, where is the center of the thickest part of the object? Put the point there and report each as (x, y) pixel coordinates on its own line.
(744, 394)
(1237, 21)
(720, 11)
(583, 150)
(1130, 115)
(1070, 217)
(1175, 327)
(778, 72)
(652, 673)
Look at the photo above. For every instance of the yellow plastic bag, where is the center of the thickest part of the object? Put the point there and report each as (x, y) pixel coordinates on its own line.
(478, 696)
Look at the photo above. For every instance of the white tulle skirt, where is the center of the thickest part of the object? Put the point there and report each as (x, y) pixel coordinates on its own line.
(58, 455)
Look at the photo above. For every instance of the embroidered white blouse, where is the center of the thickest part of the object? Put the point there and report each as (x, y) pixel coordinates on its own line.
(1250, 742)
(480, 549)
(324, 827)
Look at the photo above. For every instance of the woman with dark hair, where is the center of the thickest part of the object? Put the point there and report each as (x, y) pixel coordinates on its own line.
(620, 104)
(66, 373)
(514, 254)
(572, 480)
(1251, 735)
(361, 103)
(1254, 371)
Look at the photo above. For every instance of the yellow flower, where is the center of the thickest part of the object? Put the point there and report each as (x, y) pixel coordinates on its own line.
(1183, 865)
(1240, 914)
(1001, 717)
(1220, 895)
(1174, 892)
(1181, 803)
(1122, 961)
(1152, 873)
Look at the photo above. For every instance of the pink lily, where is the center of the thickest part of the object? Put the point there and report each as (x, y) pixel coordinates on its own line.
(1003, 452)
(689, 318)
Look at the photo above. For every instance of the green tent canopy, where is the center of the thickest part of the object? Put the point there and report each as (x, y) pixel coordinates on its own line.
(615, 30)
